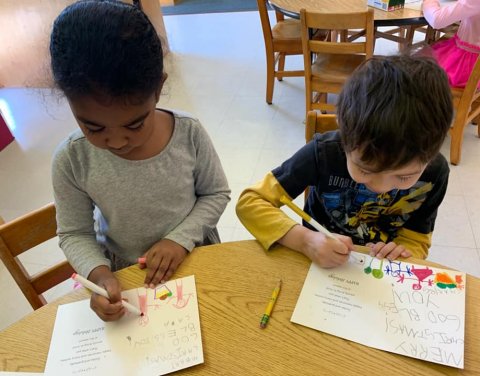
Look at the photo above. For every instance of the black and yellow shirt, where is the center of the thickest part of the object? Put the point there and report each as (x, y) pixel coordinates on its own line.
(405, 216)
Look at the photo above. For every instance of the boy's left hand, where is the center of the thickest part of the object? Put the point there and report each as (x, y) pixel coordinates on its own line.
(162, 260)
(389, 250)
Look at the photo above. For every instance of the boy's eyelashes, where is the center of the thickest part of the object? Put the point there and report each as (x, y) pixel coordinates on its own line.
(401, 178)
(96, 129)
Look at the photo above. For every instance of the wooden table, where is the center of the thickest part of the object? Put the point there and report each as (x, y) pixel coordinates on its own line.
(405, 20)
(410, 15)
(234, 282)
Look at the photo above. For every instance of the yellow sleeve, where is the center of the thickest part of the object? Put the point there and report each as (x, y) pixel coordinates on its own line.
(415, 242)
(258, 210)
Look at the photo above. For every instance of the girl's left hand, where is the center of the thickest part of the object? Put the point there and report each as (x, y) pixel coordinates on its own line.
(389, 250)
(162, 260)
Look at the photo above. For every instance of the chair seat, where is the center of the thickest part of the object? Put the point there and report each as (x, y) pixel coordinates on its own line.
(334, 68)
(286, 37)
(335, 59)
(287, 29)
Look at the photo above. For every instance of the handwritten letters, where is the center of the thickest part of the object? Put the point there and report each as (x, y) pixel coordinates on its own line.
(400, 307)
(166, 339)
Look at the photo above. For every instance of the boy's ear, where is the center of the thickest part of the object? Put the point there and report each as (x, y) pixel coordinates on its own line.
(159, 90)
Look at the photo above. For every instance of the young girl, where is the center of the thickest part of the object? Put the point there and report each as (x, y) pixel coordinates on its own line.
(134, 180)
(457, 55)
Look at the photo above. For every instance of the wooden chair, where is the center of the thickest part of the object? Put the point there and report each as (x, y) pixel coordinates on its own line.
(280, 41)
(318, 123)
(404, 35)
(334, 61)
(467, 109)
(22, 234)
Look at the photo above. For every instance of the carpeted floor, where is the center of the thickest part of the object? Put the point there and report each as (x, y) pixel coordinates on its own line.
(209, 6)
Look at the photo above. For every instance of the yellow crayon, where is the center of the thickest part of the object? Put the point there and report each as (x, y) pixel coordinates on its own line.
(271, 303)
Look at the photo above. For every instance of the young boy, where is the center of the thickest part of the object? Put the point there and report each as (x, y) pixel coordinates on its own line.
(377, 181)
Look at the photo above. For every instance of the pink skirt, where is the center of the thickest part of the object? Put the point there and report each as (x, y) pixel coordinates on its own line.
(457, 58)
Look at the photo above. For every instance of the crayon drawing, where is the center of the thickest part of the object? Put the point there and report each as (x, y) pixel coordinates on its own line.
(170, 293)
(165, 339)
(408, 309)
(444, 281)
(417, 274)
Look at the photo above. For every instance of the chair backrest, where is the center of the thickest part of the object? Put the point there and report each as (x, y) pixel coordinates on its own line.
(268, 35)
(471, 92)
(337, 22)
(266, 27)
(22, 234)
(467, 108)
(319, 123)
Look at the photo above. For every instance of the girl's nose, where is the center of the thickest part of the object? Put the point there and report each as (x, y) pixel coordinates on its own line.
(116, 142)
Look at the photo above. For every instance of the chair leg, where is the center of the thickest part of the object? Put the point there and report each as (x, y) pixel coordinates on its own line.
(410, 33)
(476, 121)
(321, 99)
(429, 35)
(281, 65)
(308, 98)
(270, 77)
(456, 139)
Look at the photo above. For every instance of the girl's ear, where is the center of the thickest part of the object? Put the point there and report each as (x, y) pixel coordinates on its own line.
(159, 90)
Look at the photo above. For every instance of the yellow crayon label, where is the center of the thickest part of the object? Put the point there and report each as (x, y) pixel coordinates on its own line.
(269, 308)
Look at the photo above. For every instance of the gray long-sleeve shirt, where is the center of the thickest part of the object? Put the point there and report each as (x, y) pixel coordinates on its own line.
(178, 194)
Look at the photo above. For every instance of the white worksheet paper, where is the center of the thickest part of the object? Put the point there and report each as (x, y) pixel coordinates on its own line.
(408, 309)
(166, 339)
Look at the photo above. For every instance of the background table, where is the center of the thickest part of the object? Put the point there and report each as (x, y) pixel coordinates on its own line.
(410, 15)
(234, 283)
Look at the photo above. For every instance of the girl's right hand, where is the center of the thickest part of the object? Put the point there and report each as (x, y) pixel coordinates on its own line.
(107, 309)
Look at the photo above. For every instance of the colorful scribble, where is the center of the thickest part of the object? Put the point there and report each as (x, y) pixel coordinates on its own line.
(378, 273)
(181, 301)
(394, 268)
(422, 274)
(444, 281)
(162, 292)
(142, 302)
(160, 297)
(368, 269)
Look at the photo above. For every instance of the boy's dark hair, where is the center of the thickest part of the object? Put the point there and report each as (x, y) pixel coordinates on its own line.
(108, 49)
(395, 109)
